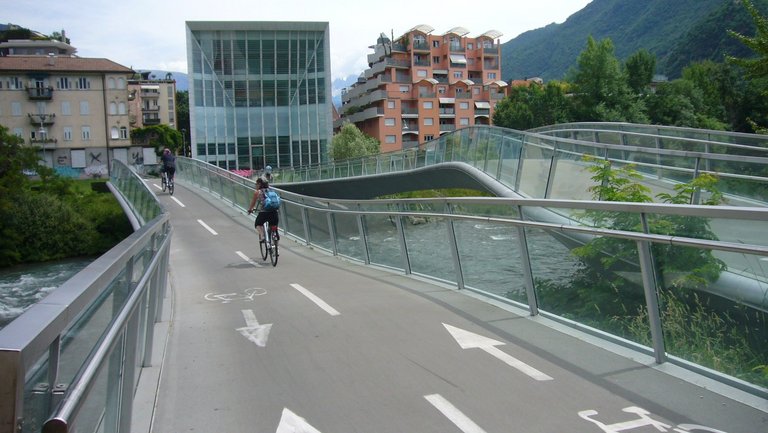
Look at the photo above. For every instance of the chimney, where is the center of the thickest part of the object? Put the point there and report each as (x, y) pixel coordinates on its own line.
(51, 59)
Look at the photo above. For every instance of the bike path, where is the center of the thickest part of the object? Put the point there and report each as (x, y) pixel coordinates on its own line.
(319, 344)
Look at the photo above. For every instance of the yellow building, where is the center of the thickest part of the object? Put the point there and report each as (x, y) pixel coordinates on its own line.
(75, 109)
(422, 85)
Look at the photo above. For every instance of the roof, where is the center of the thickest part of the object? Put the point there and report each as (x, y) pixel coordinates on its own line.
(493, 34)
(459, 31)
(60, 64)
(422, 28)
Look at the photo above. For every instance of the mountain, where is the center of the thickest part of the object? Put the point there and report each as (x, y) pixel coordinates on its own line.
(676, 31)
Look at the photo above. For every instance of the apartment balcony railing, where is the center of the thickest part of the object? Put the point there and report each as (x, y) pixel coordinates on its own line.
(441, 79)
(399, 47)
(463, 96)
(409, 110)
(420, 46)
(447, 127)
(41, 119)
(457, 48)
(492, 50)
(427, 95)
(482, 111)
(151, 121)
(40, 93)
(496, 95)
(45, 143)
(422, 62)
(407, 144)
(447, 111)
(150, 94)
(150, 109)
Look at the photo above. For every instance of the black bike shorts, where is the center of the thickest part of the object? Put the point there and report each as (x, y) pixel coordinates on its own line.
(269, 216)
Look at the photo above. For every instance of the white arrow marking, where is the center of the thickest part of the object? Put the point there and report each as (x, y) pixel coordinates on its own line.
(292, 423)
(470, 340)
(312, 297)
(258, 334)
(452, 413)
(207, 228)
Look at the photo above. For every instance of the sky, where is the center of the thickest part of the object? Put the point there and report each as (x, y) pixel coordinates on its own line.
(150, 34)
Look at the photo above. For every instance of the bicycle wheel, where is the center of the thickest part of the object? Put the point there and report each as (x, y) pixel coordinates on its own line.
(170, 187)
(273, 251)
(163, 181)
(263, 248)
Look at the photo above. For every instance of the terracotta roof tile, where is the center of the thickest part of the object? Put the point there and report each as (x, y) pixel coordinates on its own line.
(60, 64)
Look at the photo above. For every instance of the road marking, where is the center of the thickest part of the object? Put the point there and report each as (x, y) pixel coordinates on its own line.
(247, 259)
(177, 201)
(450, 411)
(320, 303)
(292, 423)
(254, 332)
(226, 298)
(207, 228)
(470, 340)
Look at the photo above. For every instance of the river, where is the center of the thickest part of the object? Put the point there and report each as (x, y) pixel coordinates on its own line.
(24, 285)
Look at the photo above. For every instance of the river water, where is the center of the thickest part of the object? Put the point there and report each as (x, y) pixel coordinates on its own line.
(23, 286)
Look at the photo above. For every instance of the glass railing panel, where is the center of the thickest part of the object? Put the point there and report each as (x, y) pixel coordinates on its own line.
(101, 405)
(318, 229)
(383, 242)
(640, 140)
(89, 327)
(571, 177)
(748, 184)
(671, 143)
(535, 170)
(428, 248)
(603, 292)
(512, 146)
(291, 220)
(348, 240)
(489, 253)
(607, 137)
(37, 397)
(717, 326)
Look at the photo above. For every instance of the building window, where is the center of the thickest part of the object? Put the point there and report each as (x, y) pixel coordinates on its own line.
(404, 89)
(114, 133)
(429, 137)
(83, 83)
(84, 108)
(464, 121)
(124, 132)
(428, 121)
(389, 139)
(19, 132)
(85, 133)
(112, 109)
(470, 45)
(476, 91)
(458, 74)
(121, 108)
(464, 105)
(427, 105)
(67, 133)
(64, 83)
(421, 72)
(66, 110)
(121, 83)
(390, 104)
(16, 108)
(435, 60)
(441, 90)
(14, 83)
(435, 44)
(110, 83)
(389, 121)
(491, 75)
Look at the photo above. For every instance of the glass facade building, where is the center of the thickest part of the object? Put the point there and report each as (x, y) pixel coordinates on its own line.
(259, 93)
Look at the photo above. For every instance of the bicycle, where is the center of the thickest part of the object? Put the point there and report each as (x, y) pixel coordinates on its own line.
(269, 246)
(166, 183)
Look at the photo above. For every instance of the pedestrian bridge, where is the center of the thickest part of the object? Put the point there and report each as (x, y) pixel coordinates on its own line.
(424, 315)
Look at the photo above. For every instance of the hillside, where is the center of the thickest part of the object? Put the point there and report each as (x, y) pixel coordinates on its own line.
(676, 31)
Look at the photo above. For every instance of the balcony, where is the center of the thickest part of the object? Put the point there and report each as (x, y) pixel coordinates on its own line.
(482, 111)
(40, 93)
(447, 127)
(153, 109)
(151, 121)
(420, 46)
(491, 50)
(45, 143)
(41, 119)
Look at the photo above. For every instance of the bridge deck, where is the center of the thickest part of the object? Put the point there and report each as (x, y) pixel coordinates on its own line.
(321, 344)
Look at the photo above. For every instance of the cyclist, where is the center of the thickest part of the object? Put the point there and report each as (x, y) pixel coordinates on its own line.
(169, 164)
(267, 175)
(257, 202)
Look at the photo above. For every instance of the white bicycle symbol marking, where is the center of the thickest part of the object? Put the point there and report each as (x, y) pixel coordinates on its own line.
(226, 298)
(643, 421)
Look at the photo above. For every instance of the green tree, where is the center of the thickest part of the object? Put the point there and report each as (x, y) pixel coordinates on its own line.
(182, 117)
(756, 67)
(159, 137)
(350, 142)
(601, 92)
(681, 103)
(15, 158)
(639, 69)
(533, 106)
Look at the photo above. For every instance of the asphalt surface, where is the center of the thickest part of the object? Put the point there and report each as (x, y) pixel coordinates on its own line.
(320, 344)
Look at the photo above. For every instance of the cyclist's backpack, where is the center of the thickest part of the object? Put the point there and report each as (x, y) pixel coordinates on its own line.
(271, 199)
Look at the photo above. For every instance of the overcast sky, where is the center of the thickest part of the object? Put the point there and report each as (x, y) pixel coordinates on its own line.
(150, 34)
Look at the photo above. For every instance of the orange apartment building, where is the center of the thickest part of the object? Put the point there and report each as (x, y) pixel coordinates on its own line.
(422, 85)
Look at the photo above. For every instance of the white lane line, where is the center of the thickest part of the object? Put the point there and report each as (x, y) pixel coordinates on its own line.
(177, 201)
(207, 228)
(312, 297)
(450, 411)
(247, 259)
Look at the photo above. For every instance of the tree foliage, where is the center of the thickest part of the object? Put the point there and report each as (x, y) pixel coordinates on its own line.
(159, 137)
(756, 67)
(532, 106)
(350, 142)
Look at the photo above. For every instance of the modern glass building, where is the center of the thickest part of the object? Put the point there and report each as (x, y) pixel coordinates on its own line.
(259, 92)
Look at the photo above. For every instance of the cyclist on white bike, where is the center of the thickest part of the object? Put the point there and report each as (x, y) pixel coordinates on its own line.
(169, 164)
